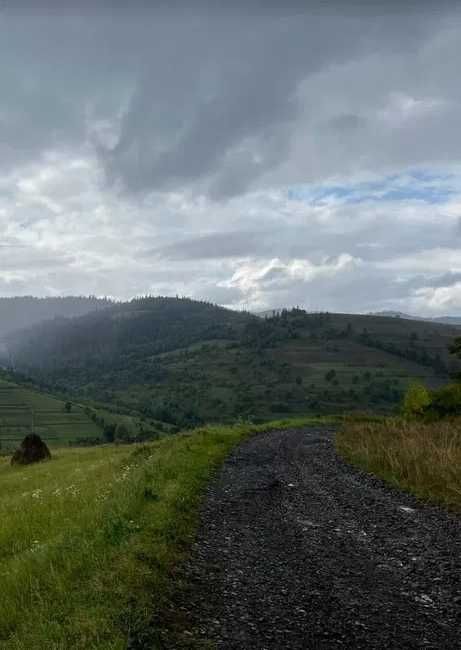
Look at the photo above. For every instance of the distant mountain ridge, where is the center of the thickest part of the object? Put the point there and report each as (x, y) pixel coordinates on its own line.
(455, 321)
(447, 320)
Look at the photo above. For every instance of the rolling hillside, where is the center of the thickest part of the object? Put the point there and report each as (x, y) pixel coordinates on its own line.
(124, 333)
(23, 410)
(187, 362)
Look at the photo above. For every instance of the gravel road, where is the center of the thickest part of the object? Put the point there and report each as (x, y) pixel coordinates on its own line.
(297, 550)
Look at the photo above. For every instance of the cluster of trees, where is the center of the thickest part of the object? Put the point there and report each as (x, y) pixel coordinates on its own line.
(115, 429)
(266, 333)
(421, 402)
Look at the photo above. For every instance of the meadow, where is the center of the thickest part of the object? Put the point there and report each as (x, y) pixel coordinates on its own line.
(422, 458)
(23, 410)
(88, 539)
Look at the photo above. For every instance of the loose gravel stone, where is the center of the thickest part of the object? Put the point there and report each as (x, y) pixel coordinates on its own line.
(298, 550)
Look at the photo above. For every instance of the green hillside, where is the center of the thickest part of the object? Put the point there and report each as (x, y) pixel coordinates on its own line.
(122, 334)
(23, 410)
(185, 362)
(301, 364)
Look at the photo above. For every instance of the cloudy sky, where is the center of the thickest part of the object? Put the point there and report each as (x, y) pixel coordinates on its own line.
(256, 156)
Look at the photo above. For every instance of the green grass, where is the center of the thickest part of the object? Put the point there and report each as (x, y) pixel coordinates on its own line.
(89, 539)
(23, 410)
(422, 458)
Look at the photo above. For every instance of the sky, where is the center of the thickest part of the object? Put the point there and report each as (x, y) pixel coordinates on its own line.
(261, 156)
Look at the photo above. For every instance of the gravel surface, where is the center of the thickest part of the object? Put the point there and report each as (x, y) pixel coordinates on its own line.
(298, 550)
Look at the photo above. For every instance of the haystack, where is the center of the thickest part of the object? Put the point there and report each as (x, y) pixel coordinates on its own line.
(32, 450)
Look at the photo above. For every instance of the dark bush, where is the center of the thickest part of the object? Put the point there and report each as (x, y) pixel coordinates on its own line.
(109, 432)
(121, 433)
(446, 401)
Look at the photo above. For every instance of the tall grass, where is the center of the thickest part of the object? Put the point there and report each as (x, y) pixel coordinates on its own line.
(88, 540)
(422, 458)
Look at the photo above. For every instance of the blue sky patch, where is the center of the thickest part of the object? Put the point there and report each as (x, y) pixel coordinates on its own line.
(415, 185)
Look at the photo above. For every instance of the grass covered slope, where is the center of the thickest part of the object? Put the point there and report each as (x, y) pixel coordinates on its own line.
(88, 539)
(23, 410)
(423, 458)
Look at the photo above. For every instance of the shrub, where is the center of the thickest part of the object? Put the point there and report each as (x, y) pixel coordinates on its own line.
(446, 401)
(416, 401)
(109, 432)
(121, 433)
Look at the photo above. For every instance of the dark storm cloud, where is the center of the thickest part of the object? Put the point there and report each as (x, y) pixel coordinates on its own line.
(214, 109)
(218, 105)
(202, 97)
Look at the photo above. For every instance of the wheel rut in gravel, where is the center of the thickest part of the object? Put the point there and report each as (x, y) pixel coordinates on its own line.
(298, 550)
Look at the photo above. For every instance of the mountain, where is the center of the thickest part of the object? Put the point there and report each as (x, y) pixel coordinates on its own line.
(186, 362)
(122, 334)
(447, 320)
(26, 311)
(455, 321)
(389, 313)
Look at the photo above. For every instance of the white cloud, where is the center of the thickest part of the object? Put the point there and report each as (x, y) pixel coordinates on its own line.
(313, 160)
(437, 300)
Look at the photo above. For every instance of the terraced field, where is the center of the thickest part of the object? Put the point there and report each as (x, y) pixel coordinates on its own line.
(23, 410)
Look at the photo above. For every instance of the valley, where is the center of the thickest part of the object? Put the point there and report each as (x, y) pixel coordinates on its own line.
(186, 363)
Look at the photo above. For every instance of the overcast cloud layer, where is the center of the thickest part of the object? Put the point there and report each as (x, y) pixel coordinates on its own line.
(257, 158)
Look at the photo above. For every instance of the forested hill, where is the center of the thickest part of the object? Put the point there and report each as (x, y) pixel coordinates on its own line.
(186, 362)
(124, 333)
(20, 312)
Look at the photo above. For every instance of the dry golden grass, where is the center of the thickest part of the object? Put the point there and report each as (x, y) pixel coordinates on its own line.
(419, 457)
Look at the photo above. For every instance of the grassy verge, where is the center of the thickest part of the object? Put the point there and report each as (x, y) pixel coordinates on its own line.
(424, 459)
(88, 540)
